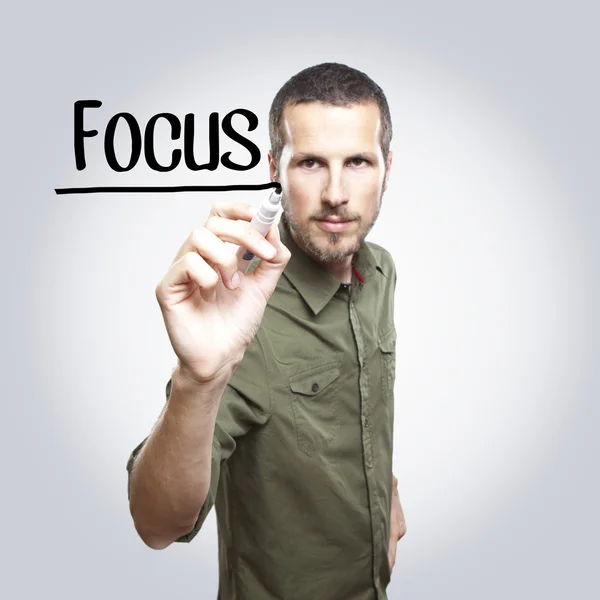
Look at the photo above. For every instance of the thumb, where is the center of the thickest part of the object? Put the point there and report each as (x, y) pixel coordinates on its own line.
(267, 272)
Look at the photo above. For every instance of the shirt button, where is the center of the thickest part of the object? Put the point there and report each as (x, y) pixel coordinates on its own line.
(315, 387)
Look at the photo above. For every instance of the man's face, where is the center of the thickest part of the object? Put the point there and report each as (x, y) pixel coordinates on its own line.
(333, 175)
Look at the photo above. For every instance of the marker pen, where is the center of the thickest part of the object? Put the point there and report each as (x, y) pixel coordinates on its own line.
(262, 221)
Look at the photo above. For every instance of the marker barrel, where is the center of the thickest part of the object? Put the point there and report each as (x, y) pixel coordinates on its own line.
(262, 221)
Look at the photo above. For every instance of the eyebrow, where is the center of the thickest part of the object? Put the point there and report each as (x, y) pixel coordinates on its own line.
(368, 156)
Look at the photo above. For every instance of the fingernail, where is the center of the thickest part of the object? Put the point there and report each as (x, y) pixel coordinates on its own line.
(269, 250)
(235, 280)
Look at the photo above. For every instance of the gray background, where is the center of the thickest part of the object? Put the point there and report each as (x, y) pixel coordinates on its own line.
(492, 220)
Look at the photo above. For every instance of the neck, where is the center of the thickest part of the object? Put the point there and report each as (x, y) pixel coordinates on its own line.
(341, 270)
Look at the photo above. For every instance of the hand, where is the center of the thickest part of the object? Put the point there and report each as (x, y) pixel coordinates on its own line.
(211, 310)
(397, 524)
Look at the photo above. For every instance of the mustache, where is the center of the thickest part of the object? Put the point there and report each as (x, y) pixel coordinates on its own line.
(340, 214)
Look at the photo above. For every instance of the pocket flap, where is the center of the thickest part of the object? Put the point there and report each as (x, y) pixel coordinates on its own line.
(387, 342)
(315, 381)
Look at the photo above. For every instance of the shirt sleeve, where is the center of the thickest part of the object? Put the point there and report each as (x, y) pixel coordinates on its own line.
(245, 404)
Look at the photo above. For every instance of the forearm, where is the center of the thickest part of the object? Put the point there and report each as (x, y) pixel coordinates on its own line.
(170, 478)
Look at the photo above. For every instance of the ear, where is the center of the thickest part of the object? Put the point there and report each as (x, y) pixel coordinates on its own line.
(273, 172)
(388, 166)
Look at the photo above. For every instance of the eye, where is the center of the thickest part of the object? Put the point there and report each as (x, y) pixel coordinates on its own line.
(309, 163)
(357, 161)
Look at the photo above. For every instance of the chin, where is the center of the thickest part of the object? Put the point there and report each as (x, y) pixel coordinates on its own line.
(323, 246)
(335, 247)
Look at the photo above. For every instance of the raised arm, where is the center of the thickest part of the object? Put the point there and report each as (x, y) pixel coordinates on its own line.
(211, 312)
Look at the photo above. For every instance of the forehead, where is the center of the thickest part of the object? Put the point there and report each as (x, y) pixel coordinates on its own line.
(314, 126)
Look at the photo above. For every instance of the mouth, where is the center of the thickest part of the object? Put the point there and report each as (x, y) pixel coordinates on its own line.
(333, 224)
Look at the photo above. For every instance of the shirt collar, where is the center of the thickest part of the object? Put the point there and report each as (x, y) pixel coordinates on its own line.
(313, 282)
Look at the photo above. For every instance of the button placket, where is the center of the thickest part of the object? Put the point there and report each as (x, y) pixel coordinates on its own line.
(365, 412)
(365, 409)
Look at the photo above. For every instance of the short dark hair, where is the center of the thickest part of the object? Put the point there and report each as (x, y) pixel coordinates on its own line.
(331, 83)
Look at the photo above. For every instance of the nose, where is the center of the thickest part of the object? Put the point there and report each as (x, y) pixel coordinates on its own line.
(335, 192)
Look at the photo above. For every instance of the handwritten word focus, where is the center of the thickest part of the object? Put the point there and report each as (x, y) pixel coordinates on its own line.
(146, 140)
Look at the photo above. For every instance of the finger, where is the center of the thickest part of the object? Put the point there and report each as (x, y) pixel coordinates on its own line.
(243, 234)
(267, 273)
(228, 210)
(238, 232)
(233, 210)
(214, 251)
(191, 267)
(282, 253)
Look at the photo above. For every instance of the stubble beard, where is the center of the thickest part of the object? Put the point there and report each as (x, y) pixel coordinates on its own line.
(328, 254)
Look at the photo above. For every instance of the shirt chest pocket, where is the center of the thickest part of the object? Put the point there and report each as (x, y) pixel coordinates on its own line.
(387, 351)
(315, 407)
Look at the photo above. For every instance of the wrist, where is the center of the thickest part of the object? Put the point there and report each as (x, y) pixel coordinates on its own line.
(188, 393)
(186, 378)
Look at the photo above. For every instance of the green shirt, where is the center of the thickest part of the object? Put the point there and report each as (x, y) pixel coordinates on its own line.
(302, 450)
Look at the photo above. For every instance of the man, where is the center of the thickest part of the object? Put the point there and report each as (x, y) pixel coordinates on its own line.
(280, 411)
